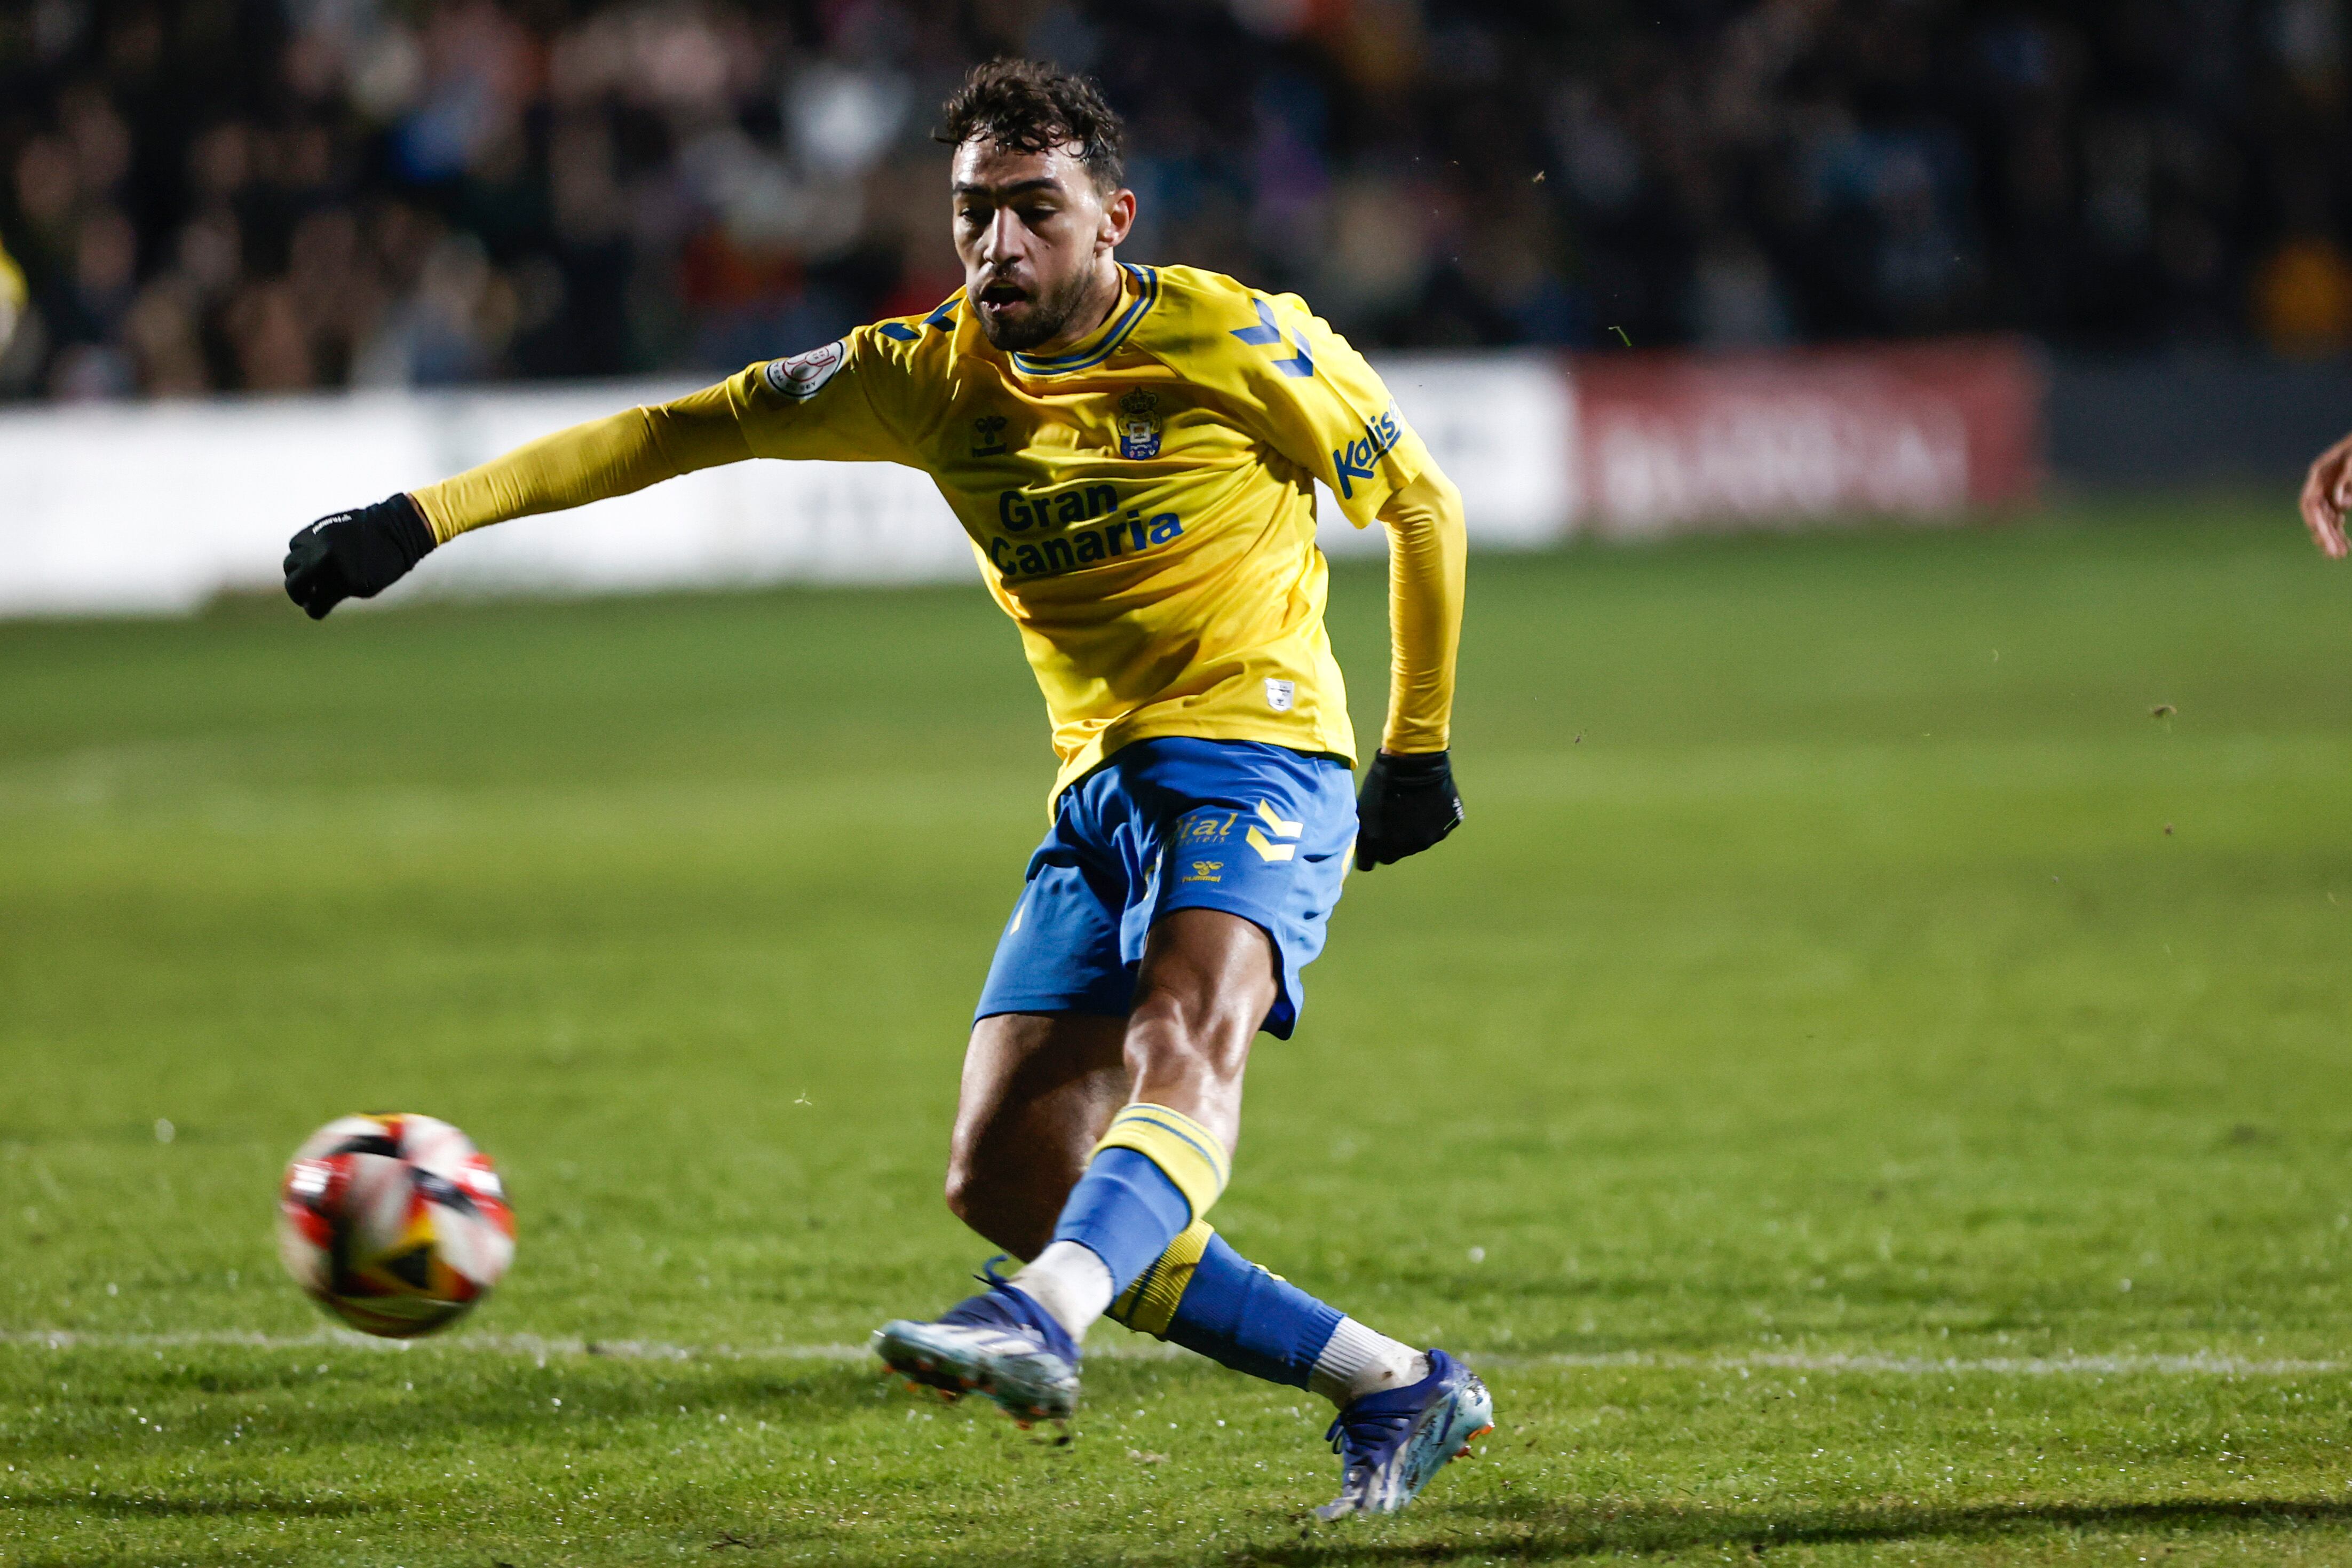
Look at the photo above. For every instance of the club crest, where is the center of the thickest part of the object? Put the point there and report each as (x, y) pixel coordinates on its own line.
(1138, 424)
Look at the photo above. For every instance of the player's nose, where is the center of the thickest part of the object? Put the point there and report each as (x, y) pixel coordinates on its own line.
(1004, 242)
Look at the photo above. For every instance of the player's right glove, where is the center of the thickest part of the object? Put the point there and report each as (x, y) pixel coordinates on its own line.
(355, 554)
(1408, 804)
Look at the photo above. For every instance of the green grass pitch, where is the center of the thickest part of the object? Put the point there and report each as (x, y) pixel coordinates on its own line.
(1867, 1084)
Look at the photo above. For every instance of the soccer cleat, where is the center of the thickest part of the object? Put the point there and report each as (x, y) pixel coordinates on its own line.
(1000, 1344)
(1391, 1443)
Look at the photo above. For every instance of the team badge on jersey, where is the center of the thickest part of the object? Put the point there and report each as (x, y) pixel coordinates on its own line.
(1138, 424)
(800, 377)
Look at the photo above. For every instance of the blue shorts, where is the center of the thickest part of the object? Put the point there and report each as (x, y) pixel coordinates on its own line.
(1258, 831)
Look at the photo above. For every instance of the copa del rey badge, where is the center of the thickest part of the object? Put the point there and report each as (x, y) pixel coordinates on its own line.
(800, 376)
(1138, 424)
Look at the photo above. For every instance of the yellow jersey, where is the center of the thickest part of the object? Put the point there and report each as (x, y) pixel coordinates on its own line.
(12, 293)
(1143, 506)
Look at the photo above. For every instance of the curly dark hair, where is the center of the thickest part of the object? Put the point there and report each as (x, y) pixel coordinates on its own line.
(1023, 106)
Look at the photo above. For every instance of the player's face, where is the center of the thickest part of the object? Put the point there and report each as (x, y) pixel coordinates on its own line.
(1037, 236)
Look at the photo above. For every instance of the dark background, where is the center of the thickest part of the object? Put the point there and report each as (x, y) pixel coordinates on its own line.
(272, 194)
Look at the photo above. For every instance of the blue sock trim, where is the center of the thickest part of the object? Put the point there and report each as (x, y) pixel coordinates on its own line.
(1237, 1314)
(1125, 1210)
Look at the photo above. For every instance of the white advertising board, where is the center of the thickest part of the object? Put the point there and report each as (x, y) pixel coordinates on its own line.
(156, 508)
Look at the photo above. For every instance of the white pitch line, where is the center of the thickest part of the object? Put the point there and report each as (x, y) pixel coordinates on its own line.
(2202, 1364)
(532, 1345)
(2198, 1364)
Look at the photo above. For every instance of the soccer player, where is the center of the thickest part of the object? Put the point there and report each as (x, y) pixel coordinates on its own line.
(12, 296)
(2328, 497)
(1133, 451)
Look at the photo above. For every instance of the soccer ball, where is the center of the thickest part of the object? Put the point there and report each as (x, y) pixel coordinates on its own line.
(397, 1225)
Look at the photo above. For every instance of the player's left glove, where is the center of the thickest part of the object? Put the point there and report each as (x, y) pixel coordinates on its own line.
(355, 554)
(1408, 804)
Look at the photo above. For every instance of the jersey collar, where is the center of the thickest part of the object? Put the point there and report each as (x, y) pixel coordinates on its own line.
(1147, 280)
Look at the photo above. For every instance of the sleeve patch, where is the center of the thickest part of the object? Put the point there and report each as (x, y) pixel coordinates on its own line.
(801, 376)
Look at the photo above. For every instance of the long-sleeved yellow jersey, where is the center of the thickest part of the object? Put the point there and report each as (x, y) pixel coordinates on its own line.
(1141, 506)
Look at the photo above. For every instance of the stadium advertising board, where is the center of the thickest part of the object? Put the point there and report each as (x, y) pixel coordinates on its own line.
(1621, 446)
(1674, 441)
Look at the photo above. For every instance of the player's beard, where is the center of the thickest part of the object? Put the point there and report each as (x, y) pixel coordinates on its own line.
(1049, 314)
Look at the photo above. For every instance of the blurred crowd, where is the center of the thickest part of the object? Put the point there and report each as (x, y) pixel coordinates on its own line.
(275, 194)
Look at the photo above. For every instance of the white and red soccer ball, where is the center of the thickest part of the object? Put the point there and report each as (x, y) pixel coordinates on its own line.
(397, 1224)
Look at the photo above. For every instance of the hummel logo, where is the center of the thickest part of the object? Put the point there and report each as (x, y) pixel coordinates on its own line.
(987, 436)
(1266, 849)
(1266, 333)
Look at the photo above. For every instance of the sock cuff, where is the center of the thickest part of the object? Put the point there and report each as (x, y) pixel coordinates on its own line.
(1185, 1152)
(1356, 1360)
(1150, 1304)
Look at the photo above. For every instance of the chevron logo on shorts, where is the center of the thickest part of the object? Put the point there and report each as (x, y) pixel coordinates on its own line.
(1267, 849)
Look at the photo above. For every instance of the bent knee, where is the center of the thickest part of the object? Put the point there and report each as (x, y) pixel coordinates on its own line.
(1008, 1213)
(983, 1199)
(967, 1194)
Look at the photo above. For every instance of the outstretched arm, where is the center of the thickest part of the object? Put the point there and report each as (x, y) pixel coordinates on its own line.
(610, 457)
(838, 403)
(1409, 801)
(358, 554)
(2326, 497)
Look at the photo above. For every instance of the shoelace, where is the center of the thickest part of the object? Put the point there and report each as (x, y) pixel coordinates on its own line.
(988, 1277)
(1368, 1428)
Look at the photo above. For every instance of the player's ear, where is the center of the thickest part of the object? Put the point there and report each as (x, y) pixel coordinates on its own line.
(1118, 216)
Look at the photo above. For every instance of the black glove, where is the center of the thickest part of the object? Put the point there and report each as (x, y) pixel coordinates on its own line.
(354, 554)
(1409, 804)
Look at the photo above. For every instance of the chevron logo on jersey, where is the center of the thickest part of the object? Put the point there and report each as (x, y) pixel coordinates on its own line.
(1266, 332)
(1268, 849)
